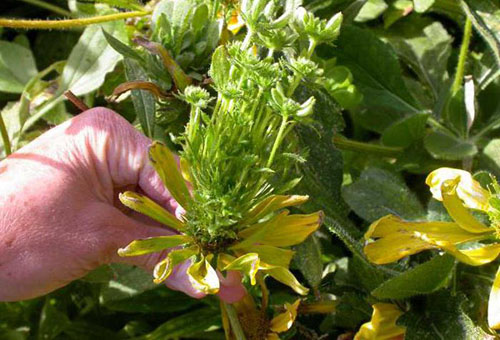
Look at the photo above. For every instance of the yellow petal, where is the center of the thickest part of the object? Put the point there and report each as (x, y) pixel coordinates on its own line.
(164, 268)
(256, 232)
(494, 303)
(284, 276)
(271, 204)
(153, 245)
(290, 230)
(284, 321)
(164, 163)
(185, 170)
(203, 277)
(469, 190)
(273, 255)
(382, 325)
(248, 264)
(478, 256)
(396, 238)
(272, 336)
(149, 208)
(458, 211)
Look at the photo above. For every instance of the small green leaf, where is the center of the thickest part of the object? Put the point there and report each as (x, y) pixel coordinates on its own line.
(422, 6)
(423, 279)
(405, 131)
(122, 48)
(449, 147)
(153, 245)
(372, 9)
(308, 260)
(17, 67)
(219, 70)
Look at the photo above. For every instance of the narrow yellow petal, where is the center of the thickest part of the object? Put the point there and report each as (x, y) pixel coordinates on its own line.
(469, 190)
(153, 245)
(382, 326)
(292, 229)
(284, 276)
(150, 208)
(256, 232)
(478, 256)
(284, 321)
(272, 255)
(185, 169)
(494, 303)
(203, 277)
(165, 164)
(272, 336)
(164, 268)
(396, 238)
(458, 211)
(271, 204)
(249, 264)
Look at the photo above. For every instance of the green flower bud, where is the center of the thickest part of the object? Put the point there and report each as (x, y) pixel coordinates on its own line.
(196, 96)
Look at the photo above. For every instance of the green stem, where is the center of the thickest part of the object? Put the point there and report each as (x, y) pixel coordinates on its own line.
(277, 142)
(234, 321)
(50, 7)
(350, 145)
(69, 23)
(464, 48)
(5, 137)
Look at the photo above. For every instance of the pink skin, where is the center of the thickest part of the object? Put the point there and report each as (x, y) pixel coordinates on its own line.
(60, 217)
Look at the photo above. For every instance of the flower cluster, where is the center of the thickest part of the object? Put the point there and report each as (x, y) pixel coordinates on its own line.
(467, 238)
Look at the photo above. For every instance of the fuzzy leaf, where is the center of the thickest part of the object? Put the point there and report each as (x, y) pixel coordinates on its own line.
(423, 279)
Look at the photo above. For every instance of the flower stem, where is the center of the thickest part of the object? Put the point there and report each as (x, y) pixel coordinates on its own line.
(5, 137)
(464, 48)
(277, 142)
(351, 145)
(69, 23)
(50, 7)
(234, 321)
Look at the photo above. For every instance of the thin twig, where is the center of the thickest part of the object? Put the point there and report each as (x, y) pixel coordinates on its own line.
(69, 23)
(76, 101)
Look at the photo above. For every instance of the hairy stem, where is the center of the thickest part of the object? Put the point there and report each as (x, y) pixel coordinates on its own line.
(50, 7)
(69, 23)
(5, 137)
(351, 145)
(464, 48)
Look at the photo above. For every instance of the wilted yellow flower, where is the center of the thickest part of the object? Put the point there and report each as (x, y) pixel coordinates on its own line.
(382, 326)
(391, 238)
(264, 231)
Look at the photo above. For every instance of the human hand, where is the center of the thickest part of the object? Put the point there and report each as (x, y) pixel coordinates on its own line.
(60, 216)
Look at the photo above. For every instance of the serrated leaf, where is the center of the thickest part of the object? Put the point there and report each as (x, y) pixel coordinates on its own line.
(379, 192)
(422, 279)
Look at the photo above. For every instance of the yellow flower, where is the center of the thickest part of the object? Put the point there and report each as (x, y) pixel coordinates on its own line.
(264, 231)
(284, 321)
(382, 326)
(391, 238)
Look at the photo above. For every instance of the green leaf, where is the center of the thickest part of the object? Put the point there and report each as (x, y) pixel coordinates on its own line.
(405, 131)
(441, 316)
(144, 101)
(425, 46)
(17, 67)
(308, 260)
(372, 9)
(397, 10)
(379, 192)
(422, 279)
(491, 157)
(422, 6)
(449, 147)
(122, 48)
(91, 59)
(219, 69)
(485, 16)
(52, 321)
(378, 76)
(187, 324)
(12, 120)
